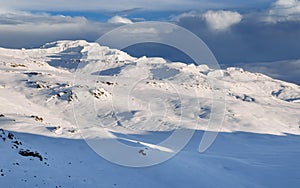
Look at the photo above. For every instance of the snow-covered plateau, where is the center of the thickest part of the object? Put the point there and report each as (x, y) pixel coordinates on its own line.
(140, 102)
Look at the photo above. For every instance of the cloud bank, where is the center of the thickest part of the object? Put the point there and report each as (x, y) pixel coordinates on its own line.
(23, 29)
(261, 36)
(104, 5)
(284, 10)
(120, 5)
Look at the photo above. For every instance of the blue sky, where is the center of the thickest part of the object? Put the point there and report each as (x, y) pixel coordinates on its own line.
(236, 31)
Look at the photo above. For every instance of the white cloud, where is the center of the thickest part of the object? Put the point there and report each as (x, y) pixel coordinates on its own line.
(285, 3)
(119, 20)
(185, 15)
(22, 18)
(221, 20)
(19, 28)
(284, 10)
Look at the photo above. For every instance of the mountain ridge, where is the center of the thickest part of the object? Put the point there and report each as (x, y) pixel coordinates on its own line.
(140, 102)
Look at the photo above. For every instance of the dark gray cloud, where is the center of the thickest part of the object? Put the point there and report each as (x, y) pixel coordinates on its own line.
(251, 40)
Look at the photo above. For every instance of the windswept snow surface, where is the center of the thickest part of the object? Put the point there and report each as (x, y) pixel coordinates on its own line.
(140, 101)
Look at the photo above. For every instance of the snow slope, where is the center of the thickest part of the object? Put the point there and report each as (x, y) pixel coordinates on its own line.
(140, 101)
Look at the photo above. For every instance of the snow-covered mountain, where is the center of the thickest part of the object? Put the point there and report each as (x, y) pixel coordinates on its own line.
(140, 101)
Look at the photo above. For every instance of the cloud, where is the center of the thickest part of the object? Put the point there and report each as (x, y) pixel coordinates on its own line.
(104, 5)
(216, 20)
(119, 20)
(22, 18)
(23, 29)
(177, 18)
(251, 40)
(120, 5)
(221, 20)
(284, 10)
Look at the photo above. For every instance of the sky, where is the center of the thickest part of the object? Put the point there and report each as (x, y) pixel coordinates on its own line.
(236, 31)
